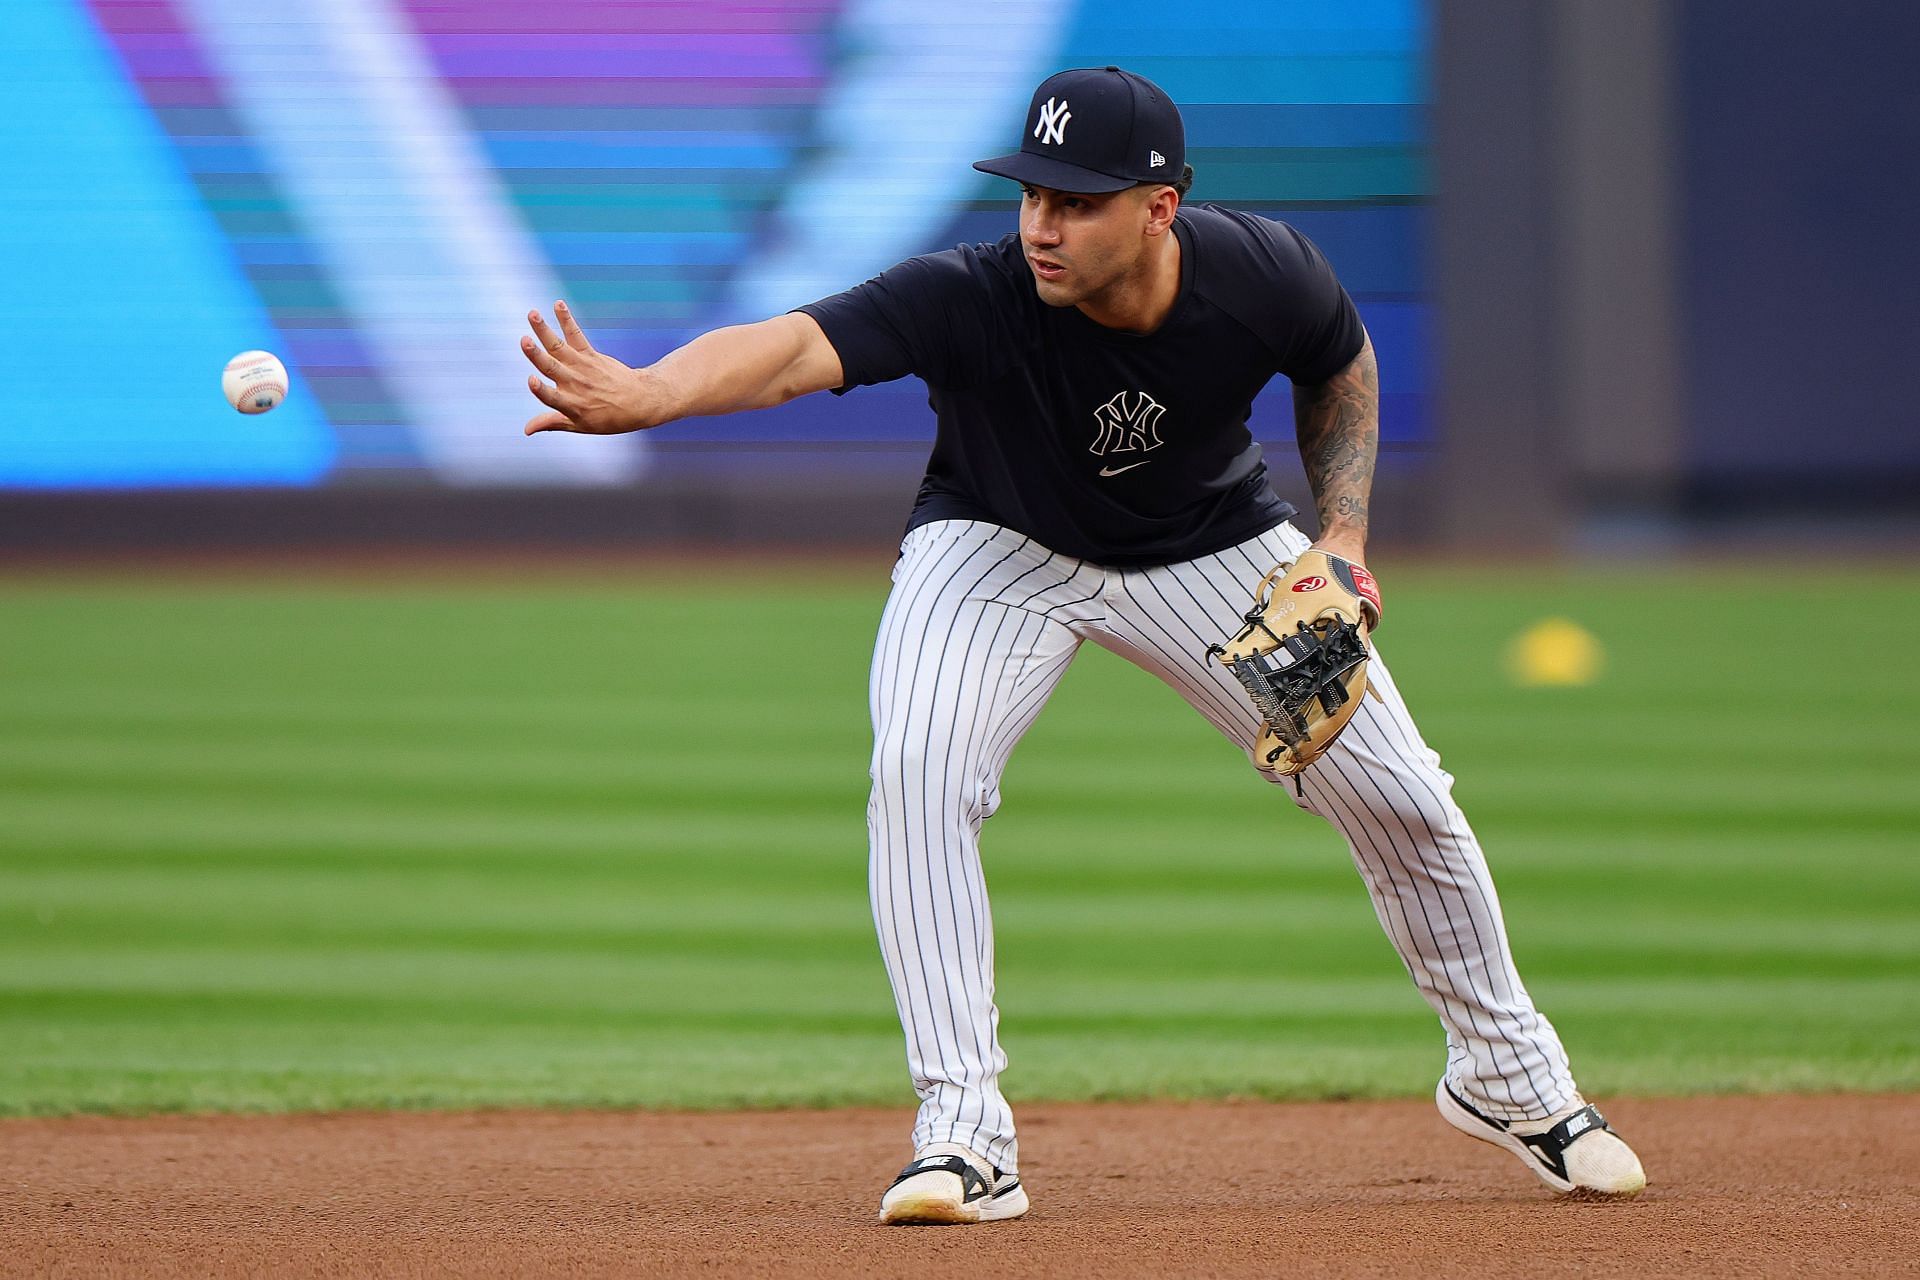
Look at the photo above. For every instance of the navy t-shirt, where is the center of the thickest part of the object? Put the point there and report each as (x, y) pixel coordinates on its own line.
(1119, 448)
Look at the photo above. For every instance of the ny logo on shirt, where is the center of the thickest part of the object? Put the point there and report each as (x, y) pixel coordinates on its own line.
(1052, 125)
(1128, 426)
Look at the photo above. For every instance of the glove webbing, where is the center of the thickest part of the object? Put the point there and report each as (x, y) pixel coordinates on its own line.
(1311, 663)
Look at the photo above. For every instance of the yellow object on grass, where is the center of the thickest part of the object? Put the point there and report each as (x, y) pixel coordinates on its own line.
(1555, 651)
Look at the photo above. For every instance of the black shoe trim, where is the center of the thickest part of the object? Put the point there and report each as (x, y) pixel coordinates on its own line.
(1549, 1148)
(972, 1185)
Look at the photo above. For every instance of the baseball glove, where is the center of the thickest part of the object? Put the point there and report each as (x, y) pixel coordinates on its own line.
(1303, 655)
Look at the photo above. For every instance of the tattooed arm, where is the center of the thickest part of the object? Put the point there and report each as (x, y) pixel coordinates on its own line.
(1338, 426)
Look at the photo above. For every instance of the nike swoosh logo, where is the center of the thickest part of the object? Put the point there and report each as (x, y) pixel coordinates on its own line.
(1114, 471)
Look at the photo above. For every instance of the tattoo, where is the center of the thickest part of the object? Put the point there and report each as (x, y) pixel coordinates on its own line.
(1338, 425)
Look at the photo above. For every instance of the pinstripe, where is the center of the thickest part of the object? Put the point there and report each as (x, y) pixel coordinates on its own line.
(1483, 945)
(952, 960)
(1345, 812)
(1253, 566)
(1032, 595)
(983, 802)
(1226, 706)
(1023, 706)
(1484, 903)
(1038, 568)
(1368, 839)
(1424, 960)
(1019, 720)
(1338, 811)
(924, 812)
(930, 903)
(1132, 643)
(905, 867)
(1410, 767)
(1276, 547)
(880, 873)
(1220, 709)
(965, 661)
(927, 812)
(1068, 604)
(979, 808)
(1229, 608)
(945, 863)
(1408, 846)
(1342, 760)
(993, 1124)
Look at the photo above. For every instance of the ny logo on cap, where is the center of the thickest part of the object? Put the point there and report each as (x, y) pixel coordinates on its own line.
(1052, 125)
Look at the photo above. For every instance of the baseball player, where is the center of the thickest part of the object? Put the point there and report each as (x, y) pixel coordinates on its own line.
(1093, 479)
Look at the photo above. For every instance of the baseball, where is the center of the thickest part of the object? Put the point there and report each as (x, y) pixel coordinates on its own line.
(255, 381)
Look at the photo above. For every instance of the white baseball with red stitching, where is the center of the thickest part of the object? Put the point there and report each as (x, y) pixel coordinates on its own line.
(254, 381)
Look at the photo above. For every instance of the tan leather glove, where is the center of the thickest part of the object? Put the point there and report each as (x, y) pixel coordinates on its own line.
(1302, 655)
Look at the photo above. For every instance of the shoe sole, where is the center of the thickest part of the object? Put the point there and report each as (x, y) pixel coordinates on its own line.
(1471, 1125)
(936, 1210)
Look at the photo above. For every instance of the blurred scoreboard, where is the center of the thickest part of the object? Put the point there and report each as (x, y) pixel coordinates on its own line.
(378, 190)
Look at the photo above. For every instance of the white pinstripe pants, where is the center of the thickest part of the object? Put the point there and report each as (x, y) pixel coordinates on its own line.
(979, 629)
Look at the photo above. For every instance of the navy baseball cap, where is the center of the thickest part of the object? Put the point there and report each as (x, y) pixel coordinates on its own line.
(1096, 129)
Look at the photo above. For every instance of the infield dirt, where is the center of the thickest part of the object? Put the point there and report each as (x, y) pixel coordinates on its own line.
(1753, 1186)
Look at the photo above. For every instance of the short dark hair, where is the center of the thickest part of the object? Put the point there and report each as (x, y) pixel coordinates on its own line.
(1181, 187)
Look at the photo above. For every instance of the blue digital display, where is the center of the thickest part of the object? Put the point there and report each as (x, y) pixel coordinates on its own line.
(377, 191)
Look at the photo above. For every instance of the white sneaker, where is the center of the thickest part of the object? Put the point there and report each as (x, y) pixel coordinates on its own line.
(947, 1183)
(1575, 1151)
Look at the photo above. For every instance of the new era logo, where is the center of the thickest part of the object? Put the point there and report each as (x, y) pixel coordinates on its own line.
(1155, 160)
(1051, 127)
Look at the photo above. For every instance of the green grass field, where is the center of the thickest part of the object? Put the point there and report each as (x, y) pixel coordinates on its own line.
(269, 846)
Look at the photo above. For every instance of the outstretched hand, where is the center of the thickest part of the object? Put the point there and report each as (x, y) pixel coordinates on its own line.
(591, 392)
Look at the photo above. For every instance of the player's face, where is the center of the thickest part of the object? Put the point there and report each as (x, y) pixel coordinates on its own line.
(1081, 246)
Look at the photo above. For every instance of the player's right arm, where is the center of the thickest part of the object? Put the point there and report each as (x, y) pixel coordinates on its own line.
(748, 366)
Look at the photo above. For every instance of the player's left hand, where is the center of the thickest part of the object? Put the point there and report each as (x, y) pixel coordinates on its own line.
(1302, 656)
(591, 392)
(1351, 549)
